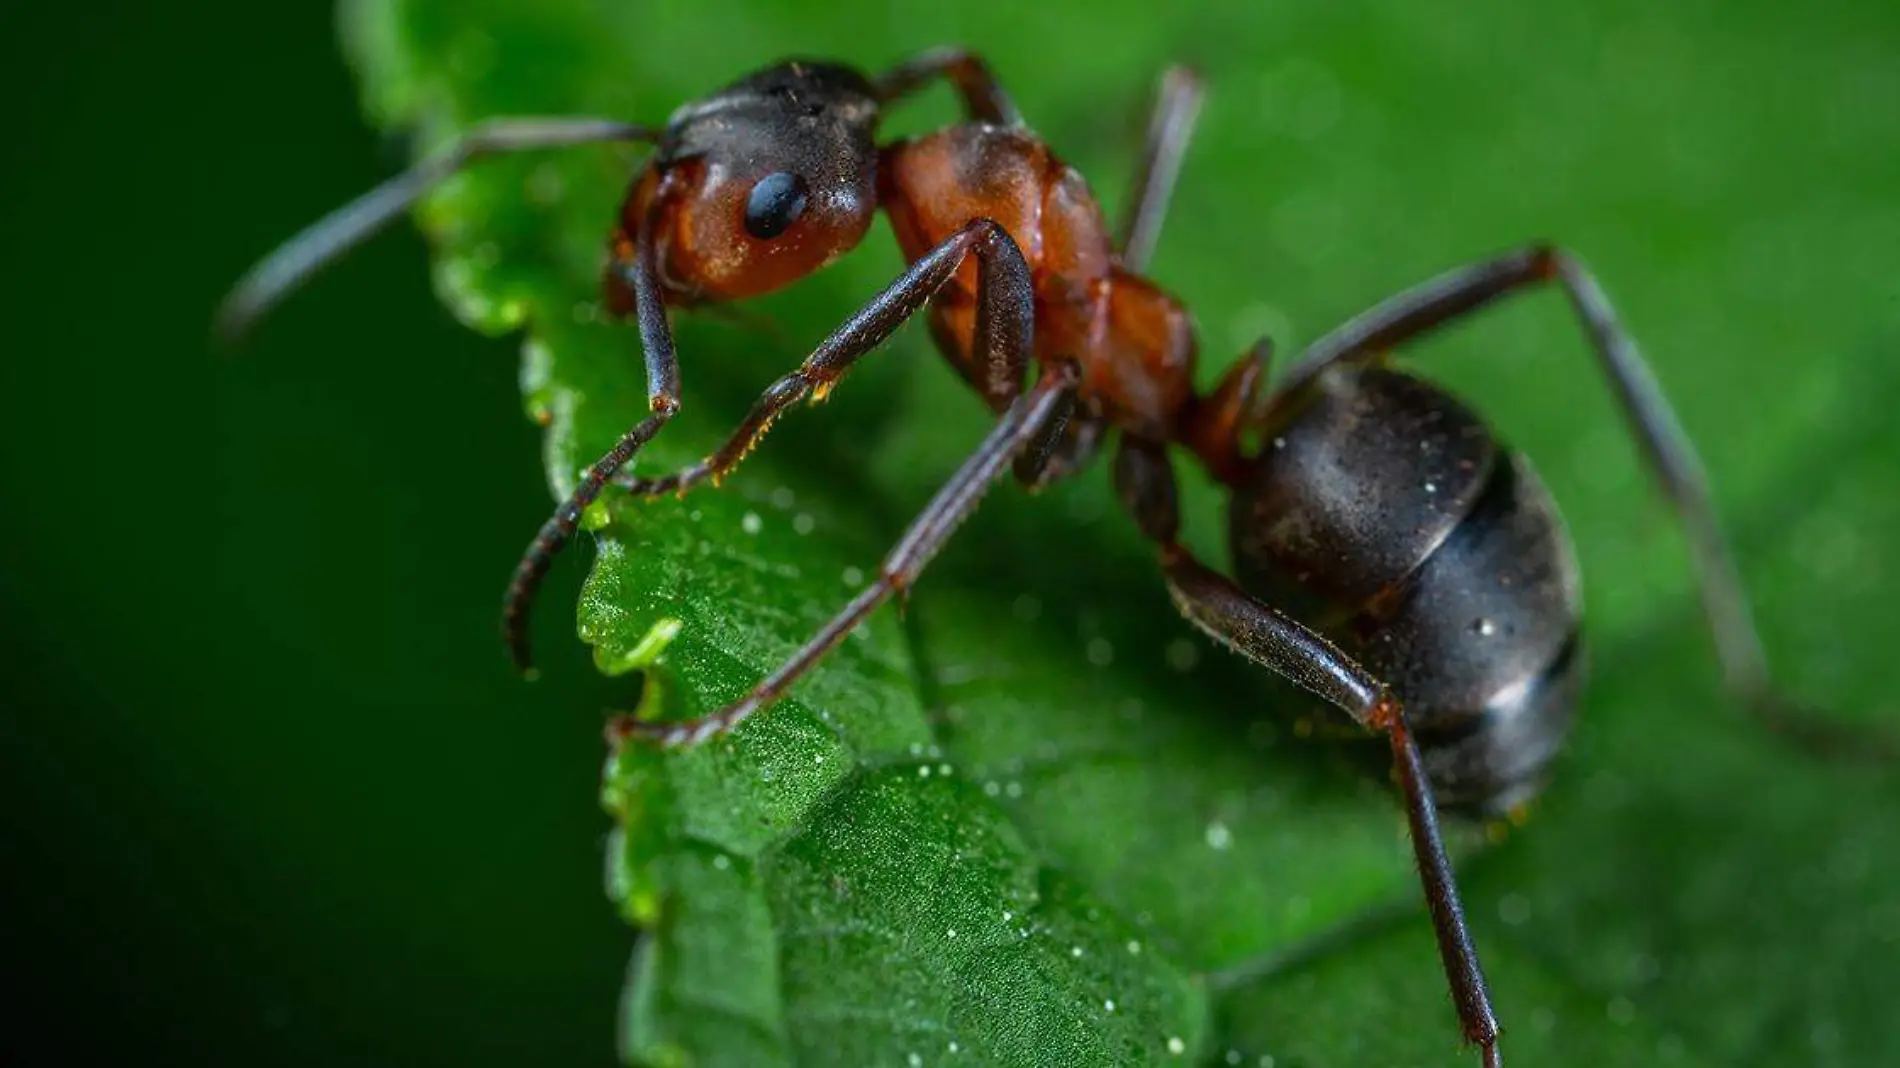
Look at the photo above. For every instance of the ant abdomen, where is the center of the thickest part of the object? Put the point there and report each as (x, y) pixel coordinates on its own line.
(1383, 513)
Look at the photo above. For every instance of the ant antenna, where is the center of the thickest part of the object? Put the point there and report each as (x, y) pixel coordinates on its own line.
(300, 258)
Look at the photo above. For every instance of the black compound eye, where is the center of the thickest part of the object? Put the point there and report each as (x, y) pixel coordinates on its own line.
(774, 204)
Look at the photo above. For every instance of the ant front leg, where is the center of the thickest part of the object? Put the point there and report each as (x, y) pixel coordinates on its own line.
(1667, 450)
(1144, 479)
(663, 397)
(1018, 428)
(1004, 322)
(325, 241)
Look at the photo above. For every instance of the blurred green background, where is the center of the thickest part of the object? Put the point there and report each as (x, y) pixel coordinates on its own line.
(271, 793)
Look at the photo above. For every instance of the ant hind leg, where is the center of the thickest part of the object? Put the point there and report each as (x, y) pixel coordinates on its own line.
(1144, 479)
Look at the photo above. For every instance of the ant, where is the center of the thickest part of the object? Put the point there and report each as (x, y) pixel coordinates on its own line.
(1392, 556)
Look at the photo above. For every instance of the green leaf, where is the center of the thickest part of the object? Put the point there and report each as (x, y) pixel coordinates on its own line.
(1034, 819)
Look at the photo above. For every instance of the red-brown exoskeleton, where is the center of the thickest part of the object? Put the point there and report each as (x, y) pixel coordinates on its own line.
(1391, 556)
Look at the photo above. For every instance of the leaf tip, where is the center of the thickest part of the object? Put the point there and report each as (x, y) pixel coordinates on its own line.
(644, 653)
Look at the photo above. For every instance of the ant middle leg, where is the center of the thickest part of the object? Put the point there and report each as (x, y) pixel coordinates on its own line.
(1144, 480)
(1004, 323)
(1018, 428)
(1667, 450)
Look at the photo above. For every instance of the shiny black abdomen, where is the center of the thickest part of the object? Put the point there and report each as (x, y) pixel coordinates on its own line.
(1383, 513)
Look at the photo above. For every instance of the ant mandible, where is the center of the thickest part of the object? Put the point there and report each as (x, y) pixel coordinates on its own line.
(1438, 589)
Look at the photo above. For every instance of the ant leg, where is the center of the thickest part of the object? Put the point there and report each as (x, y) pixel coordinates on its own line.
(1170, 126)
(1144, 480)
(663, 398)
(1214, 424)
(1670, 455)
(927, 534)
(1066, 446)
(296, 260)
(1004, 321)
(983, 98)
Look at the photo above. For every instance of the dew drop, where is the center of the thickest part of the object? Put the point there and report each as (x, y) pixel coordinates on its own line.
(1109, 1005)
(802, 523)
(914, 1061)
(1233, 1056)
(1484, 628)
(1076, 952)
(991, 789)
(1431, 487)
(1218, 836)
(923, 771)
(1134, 948)
(751, 523)
(1014, 789)
(853, 577)
(951, 933)
(943, 770)
(722, 862)
(953, 1046)
(1176, 1046)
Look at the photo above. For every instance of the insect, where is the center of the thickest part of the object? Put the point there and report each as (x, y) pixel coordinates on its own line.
(1392, 556)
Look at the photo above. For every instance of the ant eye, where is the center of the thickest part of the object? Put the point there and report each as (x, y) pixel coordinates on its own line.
(774, 205)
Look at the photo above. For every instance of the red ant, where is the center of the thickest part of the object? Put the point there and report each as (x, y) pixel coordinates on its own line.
(1438, 588)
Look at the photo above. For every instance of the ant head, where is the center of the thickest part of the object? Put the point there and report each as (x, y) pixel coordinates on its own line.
(763, 182)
